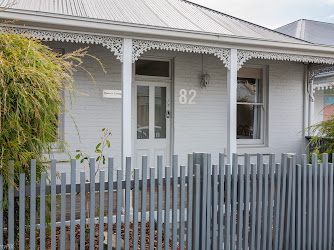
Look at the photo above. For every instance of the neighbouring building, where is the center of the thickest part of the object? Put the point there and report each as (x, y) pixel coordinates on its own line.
(321, 33)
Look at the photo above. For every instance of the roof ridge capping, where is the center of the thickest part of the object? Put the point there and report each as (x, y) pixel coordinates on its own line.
(316, 21)
(237, 18)
(289, 24)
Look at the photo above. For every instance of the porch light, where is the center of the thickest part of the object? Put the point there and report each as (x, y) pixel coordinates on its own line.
(205, 80)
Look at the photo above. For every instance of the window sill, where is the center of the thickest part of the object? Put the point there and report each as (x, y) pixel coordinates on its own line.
(254, 145)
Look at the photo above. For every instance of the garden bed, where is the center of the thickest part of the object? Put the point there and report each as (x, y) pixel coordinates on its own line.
(77, 236)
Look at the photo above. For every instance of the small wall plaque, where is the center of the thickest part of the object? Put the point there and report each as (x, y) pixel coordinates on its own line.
(112, 93)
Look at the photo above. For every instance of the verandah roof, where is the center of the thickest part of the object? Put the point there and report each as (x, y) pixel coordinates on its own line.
(174, 14)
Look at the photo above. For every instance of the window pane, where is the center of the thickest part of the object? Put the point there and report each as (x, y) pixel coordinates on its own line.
(248, 121)
(160, 112)
(152, 68)
(249, 90)
(143, 116)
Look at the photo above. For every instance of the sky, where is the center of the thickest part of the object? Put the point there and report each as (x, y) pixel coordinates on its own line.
(273, 14)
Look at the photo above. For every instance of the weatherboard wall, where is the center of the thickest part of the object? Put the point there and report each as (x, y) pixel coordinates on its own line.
(199, 127)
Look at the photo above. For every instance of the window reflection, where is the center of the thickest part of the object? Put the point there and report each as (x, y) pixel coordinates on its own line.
(160, 112)
(143, 116)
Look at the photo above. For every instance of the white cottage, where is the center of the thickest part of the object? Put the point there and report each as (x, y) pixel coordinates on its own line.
(190, 78)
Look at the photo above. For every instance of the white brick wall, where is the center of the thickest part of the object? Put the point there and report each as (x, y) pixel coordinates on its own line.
(197, 128)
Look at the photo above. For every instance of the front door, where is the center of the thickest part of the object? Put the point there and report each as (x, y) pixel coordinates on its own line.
(152, 122)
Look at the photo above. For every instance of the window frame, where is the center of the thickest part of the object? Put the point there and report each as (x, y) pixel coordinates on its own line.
(264, 110)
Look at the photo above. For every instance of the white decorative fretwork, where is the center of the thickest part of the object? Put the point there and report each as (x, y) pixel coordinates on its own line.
(114, 44)
(244, 55)
(323, 86)
(317, 70)
(141, 46)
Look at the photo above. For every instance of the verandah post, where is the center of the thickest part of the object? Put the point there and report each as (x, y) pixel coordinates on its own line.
(126, 100)
(231, 136)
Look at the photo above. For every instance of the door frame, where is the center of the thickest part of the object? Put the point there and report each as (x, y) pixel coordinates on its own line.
(140, 80)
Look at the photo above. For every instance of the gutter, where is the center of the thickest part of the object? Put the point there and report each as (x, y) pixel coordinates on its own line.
(40, 20)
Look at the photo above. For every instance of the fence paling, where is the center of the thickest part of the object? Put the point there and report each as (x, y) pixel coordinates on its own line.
(330, 217)
(190, 203)
(110, 199)
(182, 207)
(247, 192)
(63, 211)
(127, 203)
(143, 203)
(315, 200)
(151, 219)
(304, 203)
(221, 202)
(167, 207)
(92, 204)
(159, 206)
(270, 202)
(214, 205)
(82, 210)
(33, 205)
(135, 210)
(253, 207)
(22, 211)
(325, 199)
(101, 211)
(239, 206)
(73, 182)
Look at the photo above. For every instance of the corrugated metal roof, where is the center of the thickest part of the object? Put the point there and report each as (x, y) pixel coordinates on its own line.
(311, 31)
(175, 14)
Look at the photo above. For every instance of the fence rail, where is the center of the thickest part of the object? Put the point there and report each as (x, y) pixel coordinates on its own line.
(286, 205)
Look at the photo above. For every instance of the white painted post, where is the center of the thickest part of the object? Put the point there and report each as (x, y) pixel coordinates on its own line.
(126, 100)
(306, 100)
(232, 106)
(311, 106)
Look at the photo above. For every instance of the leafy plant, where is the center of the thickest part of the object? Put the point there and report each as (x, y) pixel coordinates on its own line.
(100, 160)
(32, 77)
(322, 140)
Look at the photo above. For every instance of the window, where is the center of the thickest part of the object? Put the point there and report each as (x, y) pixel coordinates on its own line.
(153, 68)
(250, 106)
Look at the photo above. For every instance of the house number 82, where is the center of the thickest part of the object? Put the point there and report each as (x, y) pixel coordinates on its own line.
(183, 99)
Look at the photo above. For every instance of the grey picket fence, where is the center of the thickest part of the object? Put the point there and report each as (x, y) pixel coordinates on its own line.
(287, 205)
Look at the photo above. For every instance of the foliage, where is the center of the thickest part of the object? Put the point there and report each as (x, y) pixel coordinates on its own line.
(322, 140)
(99, 149)
(32, 81)
(32, 78)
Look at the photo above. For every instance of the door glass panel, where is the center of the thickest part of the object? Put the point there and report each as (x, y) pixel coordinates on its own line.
(160, 112)
(143, 116)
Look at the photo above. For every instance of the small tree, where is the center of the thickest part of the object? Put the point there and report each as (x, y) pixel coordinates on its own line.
(31, 79)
